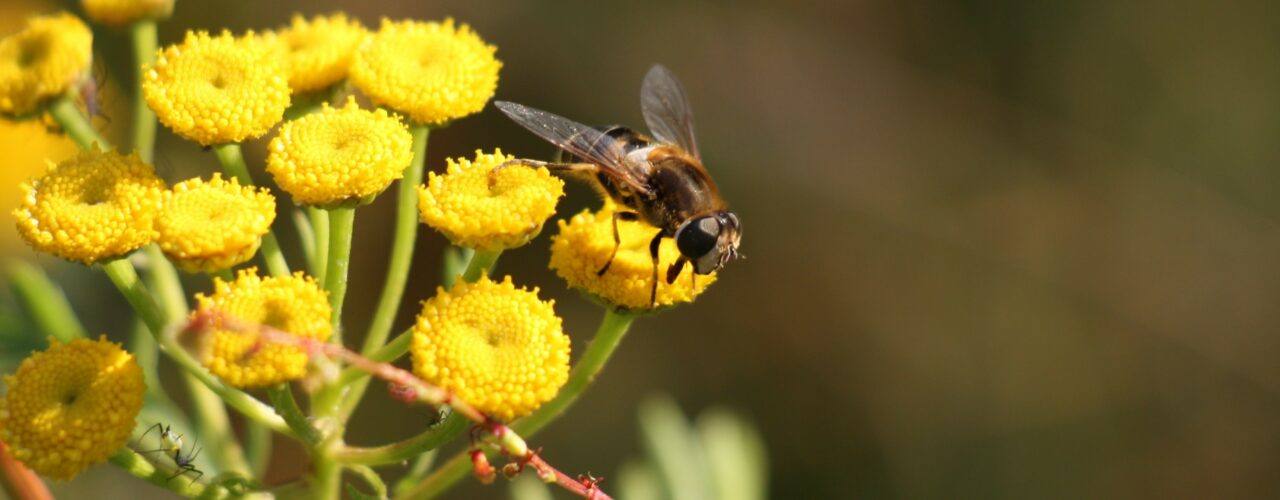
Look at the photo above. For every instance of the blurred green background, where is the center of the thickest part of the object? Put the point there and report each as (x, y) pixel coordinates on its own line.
(996, 249)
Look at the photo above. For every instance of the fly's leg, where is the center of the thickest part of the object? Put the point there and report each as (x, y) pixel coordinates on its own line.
(654, 245)
(617, 240)
(589, 168)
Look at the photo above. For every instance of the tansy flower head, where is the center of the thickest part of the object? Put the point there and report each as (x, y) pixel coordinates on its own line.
(432, 72)
(318, 52)
(71, 406)
(217, 90)
(124, 12)
(583, 247)
(208, 226)
(92, 207)
(486, 210)
(293, 304)
(496, 346)
(46, 59)
(339, 155)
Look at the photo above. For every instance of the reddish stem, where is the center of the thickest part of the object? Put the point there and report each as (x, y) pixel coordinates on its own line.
(409, 386)
(18, 480)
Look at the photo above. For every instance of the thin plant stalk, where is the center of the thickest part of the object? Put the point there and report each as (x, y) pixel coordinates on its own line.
(125, 278)
(613, 327)
(64, 111)
(341, 227)
(44, 300)
(232, 159)
(142, 35)
(403, 239)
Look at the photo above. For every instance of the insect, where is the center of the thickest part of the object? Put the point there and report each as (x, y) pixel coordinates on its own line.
(171, 442)
(660, 179)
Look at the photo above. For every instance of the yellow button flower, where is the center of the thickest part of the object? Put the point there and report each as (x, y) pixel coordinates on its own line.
(432, 72)
(583, 247)
(71, 406)
(208, 226)
(319, 51)
(124, 12)
(479, 209)
(217, 90)
(92, 207)
(339, 155)
(51, 56)
(293, 304)
(496, 346)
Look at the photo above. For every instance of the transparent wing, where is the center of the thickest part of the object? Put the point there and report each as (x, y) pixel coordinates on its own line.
(666, 109)
(578, 139)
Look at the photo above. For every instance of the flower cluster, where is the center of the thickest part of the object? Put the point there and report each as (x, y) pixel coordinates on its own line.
(213, 225)
(585, 244)
(479, 207)
(92, 207)
(293, 304)
(498, 347)
(432, 72)
(218, 89)
(318, 52)
(46, 59)
(339, 155)
(71, 406)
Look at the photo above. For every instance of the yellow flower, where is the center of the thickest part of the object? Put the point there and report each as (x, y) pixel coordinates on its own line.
(318, 52)
(496, 346)
(340, 155)
(71, 406)
(51, 56)
(583, 247)
(125, 12)
(489, 211)
(26, 145)
(432, 72)
(208, 226)
(91, 207)
(293, 304)
(217, 90)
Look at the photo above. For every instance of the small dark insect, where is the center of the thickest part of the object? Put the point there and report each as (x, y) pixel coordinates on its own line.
(171, 443)
(184, 463)
(660, 178)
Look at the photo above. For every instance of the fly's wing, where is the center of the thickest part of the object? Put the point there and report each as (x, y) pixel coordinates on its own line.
(578, 139)
(666, 109)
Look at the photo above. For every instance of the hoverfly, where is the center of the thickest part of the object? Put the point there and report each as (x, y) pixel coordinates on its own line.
(660, 179)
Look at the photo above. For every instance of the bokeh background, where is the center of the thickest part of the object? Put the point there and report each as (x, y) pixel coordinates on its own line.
(996, 249)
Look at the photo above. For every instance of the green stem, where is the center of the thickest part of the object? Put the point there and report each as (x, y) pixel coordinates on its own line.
(125, 278)
(135, 464)
(371, 478)
(143, 36)
(328, 474)
(287, 407)
(341, 226)
(257, 448)
(406, 230)
(390, 352)
(74, 123)
(404, 236)
(306, 238)
(428, 440)
(44, 300)
(612, 328)
(320, 224)
(232, 159)
(420, 466)
(210, 414)
(481, 263)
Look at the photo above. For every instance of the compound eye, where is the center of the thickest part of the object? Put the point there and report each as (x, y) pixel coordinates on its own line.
(698, 237)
